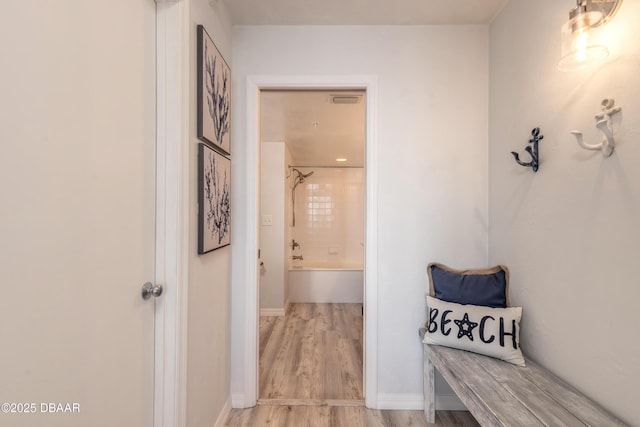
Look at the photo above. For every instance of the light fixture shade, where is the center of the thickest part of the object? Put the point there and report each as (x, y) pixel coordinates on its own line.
(580, 48)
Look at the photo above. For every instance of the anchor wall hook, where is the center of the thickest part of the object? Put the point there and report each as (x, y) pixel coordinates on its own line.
(534, 163)
(603, 122)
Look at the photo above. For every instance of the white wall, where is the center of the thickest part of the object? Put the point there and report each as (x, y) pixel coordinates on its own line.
(432, 139)
(208, 369)
(569, 233)
(273, 245)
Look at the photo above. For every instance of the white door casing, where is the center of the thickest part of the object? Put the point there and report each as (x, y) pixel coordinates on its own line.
(172, 211)
(250, 247)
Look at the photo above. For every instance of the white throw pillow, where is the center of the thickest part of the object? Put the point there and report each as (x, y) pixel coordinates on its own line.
(490, 331)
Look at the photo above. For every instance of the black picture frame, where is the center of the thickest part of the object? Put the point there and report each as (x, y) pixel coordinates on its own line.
(214, 94)
(214, 199)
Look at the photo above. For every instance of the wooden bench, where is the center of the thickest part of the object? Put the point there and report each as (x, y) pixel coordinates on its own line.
(498, 393)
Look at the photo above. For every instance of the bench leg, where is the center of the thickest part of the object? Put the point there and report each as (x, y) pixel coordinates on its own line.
(429, 388)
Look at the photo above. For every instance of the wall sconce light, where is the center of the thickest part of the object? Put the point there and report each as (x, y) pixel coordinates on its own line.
(603, 122)
(579, 49)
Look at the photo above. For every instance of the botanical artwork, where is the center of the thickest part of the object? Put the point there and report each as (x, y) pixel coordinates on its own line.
(214, 93)
(214, 206)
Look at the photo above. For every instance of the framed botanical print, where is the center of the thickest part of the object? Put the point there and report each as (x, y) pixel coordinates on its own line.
(214, 94)
(214, 194)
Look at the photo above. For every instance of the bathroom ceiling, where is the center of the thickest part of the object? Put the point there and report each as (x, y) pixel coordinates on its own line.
(363, 12)
(316, 129)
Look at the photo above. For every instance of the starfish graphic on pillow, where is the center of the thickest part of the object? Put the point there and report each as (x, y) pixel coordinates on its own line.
(465, 327)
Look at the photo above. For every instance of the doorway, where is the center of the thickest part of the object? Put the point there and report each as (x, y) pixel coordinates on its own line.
(255, 84)
(312, 245)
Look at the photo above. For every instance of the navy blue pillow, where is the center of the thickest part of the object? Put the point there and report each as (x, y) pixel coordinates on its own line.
(488, 287)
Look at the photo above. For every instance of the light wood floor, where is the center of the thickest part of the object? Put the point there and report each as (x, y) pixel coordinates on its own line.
(341, 416)
(313, 353)
(311, 375)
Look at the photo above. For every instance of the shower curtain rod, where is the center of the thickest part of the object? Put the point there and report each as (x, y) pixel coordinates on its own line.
(328, 167)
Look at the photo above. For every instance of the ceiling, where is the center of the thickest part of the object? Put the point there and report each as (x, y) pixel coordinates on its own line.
(316, 130)
(363, 12)
(290, 116)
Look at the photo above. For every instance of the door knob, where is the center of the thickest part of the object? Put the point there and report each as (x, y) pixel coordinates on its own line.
(148, 290)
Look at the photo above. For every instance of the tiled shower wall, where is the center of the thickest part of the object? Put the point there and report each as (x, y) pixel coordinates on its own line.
(330, 214)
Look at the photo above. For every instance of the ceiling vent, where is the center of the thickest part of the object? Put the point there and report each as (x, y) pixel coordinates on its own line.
(345, 99)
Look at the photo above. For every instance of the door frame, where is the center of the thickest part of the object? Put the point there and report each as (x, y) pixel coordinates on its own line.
(172, 212)
(369, 84)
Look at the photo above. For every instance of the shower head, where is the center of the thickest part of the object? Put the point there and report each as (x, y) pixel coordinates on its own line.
(301, 176)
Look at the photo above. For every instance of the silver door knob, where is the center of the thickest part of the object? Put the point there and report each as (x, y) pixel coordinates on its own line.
(149, 290)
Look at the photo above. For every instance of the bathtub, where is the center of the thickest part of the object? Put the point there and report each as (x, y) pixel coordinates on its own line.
(326, 281)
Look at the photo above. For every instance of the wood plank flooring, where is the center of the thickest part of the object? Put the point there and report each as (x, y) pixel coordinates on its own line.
(314, 353)
(311, 375)
(341, 416)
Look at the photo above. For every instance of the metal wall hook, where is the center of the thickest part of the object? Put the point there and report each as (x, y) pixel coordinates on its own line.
(604, 123)
(533, 152)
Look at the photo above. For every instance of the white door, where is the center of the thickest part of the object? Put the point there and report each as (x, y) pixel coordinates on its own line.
(77, 228)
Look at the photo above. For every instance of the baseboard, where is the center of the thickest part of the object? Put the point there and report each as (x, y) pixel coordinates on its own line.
(224, 414)
(237, 401)
(272, 312)
(415, 402)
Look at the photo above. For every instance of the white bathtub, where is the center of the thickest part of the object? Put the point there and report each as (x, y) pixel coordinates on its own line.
(326, 281)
